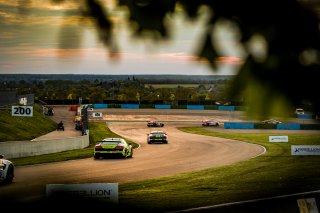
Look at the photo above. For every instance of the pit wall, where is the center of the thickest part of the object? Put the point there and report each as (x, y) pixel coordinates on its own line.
(17, 149)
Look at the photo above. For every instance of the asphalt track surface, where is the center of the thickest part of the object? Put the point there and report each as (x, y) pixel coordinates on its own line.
(185, 152)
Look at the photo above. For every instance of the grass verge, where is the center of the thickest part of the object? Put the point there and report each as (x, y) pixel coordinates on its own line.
(274, 173)
(19, 128)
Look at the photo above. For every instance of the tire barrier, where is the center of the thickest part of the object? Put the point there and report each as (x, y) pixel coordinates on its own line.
(305, 116)
(162, 106)
(130, 106)
(100, 106)
(167, 106)
(233, 125)
(282, 126)
(195, 107)
(229, 108)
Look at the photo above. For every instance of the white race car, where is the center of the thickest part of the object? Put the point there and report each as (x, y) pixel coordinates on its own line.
(6, 170)
(157, 137)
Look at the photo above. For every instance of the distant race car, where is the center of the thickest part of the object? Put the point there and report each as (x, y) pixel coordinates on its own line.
(6, 170)
(157, 137)
(154, 124)
(271, 121)
(210, 123)
(115, 147)
(299, 111)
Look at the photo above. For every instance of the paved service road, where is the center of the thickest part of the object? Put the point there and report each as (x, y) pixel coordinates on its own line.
(184, 152)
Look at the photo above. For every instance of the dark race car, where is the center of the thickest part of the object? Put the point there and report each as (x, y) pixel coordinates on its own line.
(157, 137)
(154, 124)
(210, 123)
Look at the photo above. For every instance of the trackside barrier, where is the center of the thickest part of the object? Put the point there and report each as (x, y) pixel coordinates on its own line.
(231, 125)
(178, 107)
(229, 108)
(130, 106)
(147, 106)
(289, 126)
(196, 107)
(305, 116)
(211, 107)
(100, 106)
(17, 149)
(310, 126)
(162, 106)
(167, 106)
(294, 126)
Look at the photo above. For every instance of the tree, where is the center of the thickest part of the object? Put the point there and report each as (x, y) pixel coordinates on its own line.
(281, 74)
(138, 97)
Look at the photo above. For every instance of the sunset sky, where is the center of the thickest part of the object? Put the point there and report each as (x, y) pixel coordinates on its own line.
(40, 37)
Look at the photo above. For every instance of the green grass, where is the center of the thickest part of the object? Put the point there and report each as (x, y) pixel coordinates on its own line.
(98, 131)
(274, 173)
(24, 128)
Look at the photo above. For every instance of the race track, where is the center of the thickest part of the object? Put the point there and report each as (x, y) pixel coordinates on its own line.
(185, 152)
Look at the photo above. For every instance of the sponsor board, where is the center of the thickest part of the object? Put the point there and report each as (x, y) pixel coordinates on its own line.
(305, 150)
(22, 111)
(278, 139)
(97, 114)
(98, 191)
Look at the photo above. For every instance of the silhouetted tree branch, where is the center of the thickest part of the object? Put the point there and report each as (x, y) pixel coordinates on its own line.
(282, 75)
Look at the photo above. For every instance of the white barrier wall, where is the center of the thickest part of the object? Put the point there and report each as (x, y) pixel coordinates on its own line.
(16, 149)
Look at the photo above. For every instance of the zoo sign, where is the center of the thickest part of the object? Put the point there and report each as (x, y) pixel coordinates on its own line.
(22, 111)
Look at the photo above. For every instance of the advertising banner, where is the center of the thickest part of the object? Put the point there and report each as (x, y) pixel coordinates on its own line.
(278, 139)
(305, 150)
(101, 191)
(97, 114)
(22, 111)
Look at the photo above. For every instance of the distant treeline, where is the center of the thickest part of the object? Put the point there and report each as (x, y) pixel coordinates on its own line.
(146, 79)
(132, 89)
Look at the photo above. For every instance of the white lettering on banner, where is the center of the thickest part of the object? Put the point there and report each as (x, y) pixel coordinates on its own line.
(278, 139)
(100, 191)
(305, 150)
(97, 114)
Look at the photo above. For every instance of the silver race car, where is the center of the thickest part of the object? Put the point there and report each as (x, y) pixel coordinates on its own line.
(6, 170)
